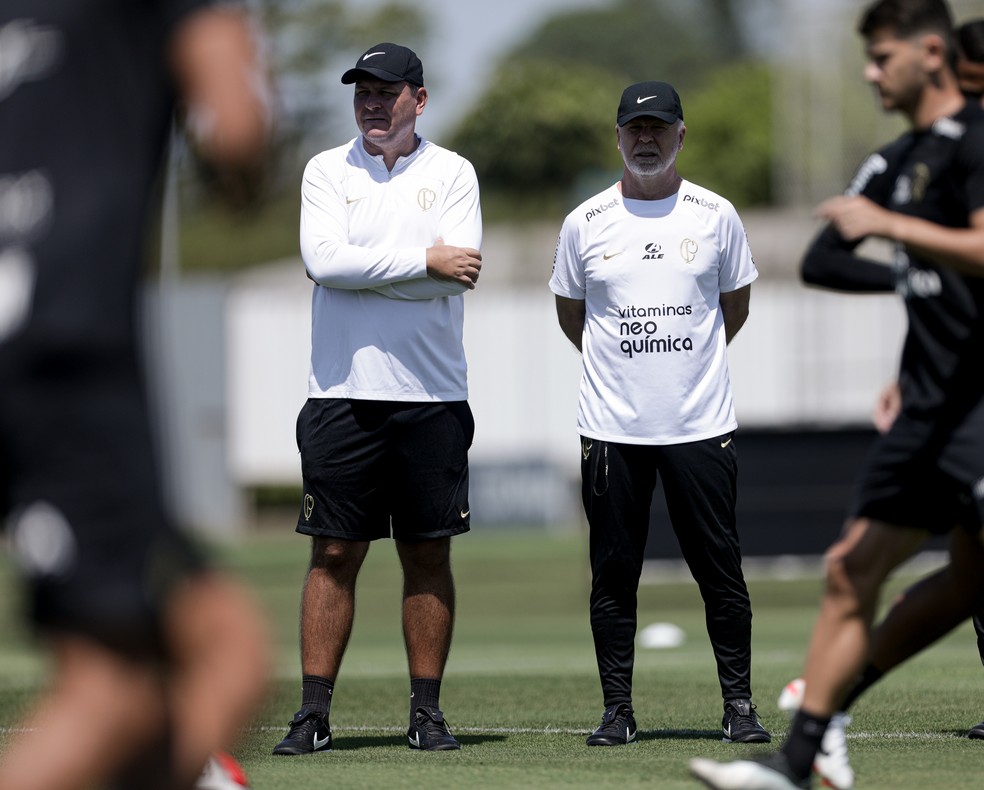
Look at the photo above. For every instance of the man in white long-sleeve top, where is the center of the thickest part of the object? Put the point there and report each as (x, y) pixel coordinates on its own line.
(390, 234)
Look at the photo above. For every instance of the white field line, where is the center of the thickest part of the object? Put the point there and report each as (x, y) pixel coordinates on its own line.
(861, 736)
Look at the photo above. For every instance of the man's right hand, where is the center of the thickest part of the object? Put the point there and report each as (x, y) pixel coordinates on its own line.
(458, 264)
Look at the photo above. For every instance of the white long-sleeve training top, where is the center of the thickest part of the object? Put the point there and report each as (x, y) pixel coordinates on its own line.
(381, 328)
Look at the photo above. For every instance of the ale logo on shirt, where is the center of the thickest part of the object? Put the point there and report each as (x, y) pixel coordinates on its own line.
(653, 252)
(426, 198)
(688, 250)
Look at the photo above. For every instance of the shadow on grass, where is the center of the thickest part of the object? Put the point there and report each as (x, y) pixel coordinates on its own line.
(353, 742)
(678, 735)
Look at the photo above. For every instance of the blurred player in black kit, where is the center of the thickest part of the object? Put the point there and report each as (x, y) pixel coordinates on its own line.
(970, 78)
(925, 474)
(158, 658)
(970, 60)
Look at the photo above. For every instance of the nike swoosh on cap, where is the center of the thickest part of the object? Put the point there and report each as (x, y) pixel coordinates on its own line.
(641, 99)
(372, 55)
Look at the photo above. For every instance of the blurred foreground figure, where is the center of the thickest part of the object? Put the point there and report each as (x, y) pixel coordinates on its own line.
(925, 474)
(970, 58)
(970, 78)
(158, 659)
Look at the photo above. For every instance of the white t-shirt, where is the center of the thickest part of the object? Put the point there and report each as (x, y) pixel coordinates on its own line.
(381, 329)
(655, 365)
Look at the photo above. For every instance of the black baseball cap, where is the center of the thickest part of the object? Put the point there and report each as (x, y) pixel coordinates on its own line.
(389, 62)
(656, 99)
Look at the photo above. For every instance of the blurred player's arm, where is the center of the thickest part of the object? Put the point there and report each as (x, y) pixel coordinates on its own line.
(734, 309)
(961, 249)
(571, 314)
(226, 97)
(830, 262)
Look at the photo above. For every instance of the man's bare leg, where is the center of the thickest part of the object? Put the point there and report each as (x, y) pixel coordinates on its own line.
(219, 649)
(428, 605)
(933, 606)
(328, 604)
(88, 677)
(856, 567)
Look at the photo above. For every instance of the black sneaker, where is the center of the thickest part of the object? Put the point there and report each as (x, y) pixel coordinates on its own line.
(741, 724)
(977, 731)
(429, 731)
(617, 728)
(308, 732)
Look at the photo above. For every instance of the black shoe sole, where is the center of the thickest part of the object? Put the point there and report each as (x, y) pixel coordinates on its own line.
(442, 748)
(293, 751)
(750, 739)
(604, 740)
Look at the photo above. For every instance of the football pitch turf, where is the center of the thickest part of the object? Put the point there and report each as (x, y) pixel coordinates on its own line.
(521, 690)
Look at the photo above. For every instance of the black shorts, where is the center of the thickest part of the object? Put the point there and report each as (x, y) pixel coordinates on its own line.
(79, 486)
(367, 465)
(910, 478)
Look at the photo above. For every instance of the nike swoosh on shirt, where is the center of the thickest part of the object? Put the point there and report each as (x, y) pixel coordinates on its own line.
(608, 256)
(641, 99)
(350, 201)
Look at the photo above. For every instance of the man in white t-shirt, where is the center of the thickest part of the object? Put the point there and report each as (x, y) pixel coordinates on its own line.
(652, 280)
(390, 233)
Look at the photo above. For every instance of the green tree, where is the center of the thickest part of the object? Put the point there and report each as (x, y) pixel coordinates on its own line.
(728, 147)
(542, 136)
(643, 40)
(306, 38)
(540, 125)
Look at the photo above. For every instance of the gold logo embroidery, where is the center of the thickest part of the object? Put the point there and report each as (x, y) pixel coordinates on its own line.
(426, 198)
(688, 250)
(308, 506)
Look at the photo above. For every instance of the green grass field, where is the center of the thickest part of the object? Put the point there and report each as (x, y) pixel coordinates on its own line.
(521, 690)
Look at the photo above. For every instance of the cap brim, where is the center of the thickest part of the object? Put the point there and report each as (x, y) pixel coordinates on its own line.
(663, 116)
(353, 75)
